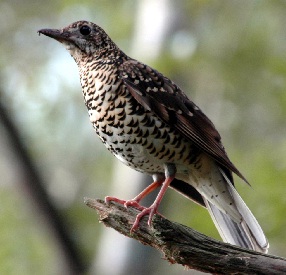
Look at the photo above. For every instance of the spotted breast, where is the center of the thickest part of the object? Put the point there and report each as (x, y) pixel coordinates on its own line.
(135, 136)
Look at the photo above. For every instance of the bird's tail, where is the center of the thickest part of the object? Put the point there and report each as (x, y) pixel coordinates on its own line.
(237, 233)
(234, 221)
(214, 190)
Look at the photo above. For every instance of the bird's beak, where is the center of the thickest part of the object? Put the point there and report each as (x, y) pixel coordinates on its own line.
(59, 35)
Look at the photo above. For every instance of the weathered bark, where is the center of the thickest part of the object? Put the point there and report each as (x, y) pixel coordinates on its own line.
(185, 246)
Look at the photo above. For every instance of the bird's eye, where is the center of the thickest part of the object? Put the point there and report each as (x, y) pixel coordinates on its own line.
(85, 30)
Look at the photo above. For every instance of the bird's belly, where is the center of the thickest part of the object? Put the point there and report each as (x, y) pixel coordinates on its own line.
(136, 136)
(145, 143)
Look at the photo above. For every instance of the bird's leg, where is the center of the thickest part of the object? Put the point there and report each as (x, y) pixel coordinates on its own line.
(135, 201)
(152, 210)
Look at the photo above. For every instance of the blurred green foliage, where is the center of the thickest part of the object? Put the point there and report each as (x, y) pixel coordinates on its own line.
(234, 70)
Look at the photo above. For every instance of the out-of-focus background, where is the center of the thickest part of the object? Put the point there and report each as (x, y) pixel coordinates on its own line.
(228, 56)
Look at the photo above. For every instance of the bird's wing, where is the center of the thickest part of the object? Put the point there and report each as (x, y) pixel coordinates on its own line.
(160, 95)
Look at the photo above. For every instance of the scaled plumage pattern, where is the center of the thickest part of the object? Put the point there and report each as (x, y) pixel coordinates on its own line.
(149, 124)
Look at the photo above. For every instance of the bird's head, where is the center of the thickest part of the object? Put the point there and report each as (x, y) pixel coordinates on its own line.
(81, 39)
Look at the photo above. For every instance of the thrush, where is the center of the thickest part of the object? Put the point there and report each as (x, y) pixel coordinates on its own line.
(147, 122)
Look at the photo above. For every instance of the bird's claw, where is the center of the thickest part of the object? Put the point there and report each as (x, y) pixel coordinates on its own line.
(135, 204)
(108, 199)
(132, 203)
(150, 211)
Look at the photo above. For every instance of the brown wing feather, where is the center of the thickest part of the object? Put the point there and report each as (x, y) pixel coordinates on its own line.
(163, 97)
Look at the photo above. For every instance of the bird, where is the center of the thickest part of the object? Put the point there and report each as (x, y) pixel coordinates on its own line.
(147, 122)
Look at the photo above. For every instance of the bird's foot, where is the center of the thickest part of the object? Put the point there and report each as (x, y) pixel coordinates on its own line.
(108, 199)
(134, 203)
(150, 211)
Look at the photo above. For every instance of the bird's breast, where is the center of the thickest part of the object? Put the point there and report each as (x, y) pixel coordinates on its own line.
(136, 136)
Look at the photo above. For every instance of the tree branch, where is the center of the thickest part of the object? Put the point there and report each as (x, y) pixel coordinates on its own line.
(185, 246)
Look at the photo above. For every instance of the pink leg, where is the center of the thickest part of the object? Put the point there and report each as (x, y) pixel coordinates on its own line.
(135, 202)
(152, 210)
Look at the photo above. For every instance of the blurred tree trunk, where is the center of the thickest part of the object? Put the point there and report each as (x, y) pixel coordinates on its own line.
(32, 183)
